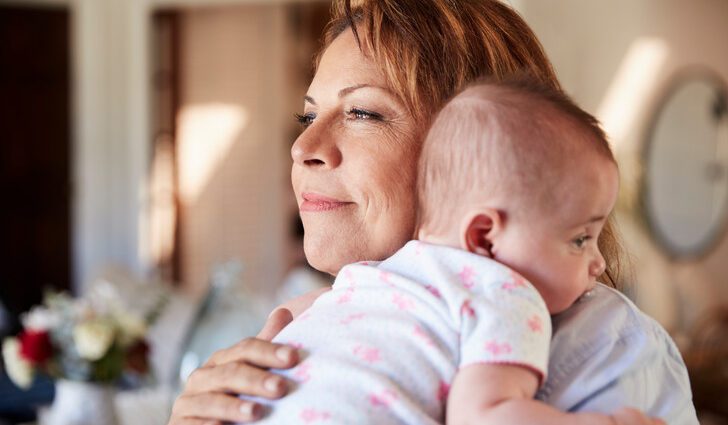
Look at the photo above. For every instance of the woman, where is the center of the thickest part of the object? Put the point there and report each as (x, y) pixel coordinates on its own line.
(386, 68)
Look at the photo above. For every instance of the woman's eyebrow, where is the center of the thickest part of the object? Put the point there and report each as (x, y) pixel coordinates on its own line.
(343, 92)
(347, 90)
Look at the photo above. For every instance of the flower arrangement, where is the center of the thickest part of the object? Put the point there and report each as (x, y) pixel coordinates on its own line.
(94, 339)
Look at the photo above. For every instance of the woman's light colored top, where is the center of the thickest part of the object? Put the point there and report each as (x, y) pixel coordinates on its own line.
(607, 354)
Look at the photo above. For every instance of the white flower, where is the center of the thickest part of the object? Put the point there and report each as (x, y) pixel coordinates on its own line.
(19, 370)
(131, 326)
(93, 338)
(40, 319)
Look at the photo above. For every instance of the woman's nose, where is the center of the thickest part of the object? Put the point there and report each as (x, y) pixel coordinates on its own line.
(598, 265)
(316, 148)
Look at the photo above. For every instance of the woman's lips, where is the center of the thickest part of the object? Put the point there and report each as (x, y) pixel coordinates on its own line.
(316, 202)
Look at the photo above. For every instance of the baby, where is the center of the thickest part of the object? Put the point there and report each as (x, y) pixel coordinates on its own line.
(515, 185)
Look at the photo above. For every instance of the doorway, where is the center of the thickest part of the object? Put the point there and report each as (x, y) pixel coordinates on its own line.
(34, 154)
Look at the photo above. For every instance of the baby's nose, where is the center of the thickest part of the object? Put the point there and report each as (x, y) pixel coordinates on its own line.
(597, 266)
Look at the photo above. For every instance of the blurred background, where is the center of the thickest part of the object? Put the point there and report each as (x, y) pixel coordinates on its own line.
(146, 143)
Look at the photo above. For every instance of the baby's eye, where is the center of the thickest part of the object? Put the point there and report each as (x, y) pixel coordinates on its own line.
(581, 241)
(362, 114)
(306, 119)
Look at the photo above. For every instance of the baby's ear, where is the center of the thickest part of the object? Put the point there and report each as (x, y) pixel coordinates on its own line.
(479, 230)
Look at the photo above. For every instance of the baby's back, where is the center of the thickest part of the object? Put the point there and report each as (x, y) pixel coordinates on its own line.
(385, 343)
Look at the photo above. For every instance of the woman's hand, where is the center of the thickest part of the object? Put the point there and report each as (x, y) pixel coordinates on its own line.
(629, 416)
(210, 393)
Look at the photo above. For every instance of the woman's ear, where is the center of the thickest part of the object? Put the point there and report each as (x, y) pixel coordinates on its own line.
(479, 231)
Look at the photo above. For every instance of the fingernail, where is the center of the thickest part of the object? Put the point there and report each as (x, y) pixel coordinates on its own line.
(273, 384)
(284, 353)
(246, 409)
(249, 409)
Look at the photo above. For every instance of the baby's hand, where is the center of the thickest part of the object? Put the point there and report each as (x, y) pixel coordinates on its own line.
(628, 416)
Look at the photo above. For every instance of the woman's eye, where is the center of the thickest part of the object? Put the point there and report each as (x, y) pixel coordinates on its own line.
(581, 241)
(306, 119)
(361, 114)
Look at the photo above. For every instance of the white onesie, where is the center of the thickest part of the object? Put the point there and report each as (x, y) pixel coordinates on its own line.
(383, 346)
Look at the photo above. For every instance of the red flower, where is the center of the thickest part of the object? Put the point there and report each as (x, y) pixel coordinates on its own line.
(137, 357)
(35, 346)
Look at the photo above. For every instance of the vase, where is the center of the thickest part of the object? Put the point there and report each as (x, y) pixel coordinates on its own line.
(81, 403)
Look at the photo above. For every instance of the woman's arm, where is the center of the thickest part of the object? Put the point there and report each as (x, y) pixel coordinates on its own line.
(606, 354)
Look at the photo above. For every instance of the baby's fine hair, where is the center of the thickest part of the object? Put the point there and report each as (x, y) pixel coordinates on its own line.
(512, 141)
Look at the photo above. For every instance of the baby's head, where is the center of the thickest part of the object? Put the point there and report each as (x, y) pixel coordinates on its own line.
(519, 173)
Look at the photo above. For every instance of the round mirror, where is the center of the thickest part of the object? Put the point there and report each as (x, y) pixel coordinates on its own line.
(685, 191)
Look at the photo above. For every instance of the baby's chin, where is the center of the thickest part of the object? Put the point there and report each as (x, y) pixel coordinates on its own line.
(558, 305)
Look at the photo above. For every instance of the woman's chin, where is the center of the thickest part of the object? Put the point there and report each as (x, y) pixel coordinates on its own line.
(328, 255)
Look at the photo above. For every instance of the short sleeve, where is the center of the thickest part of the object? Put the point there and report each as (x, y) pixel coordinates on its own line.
(506, 322)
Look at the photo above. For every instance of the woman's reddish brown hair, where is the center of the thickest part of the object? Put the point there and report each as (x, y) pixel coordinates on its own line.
(429, 50)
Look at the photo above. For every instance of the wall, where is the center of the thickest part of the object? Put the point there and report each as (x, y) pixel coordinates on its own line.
(111, 149)
(232, 151)
(616, 58)
(111, 140)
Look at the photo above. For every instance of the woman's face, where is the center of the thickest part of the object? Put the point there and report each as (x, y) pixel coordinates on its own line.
(354, 165)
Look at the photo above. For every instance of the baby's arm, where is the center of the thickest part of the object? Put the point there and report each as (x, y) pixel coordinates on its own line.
(491, 393)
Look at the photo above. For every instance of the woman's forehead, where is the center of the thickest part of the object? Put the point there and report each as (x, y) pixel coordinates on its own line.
(344, 65)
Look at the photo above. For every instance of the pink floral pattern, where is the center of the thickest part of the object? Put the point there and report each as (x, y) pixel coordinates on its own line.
(384, 398)
(535, 324)
(467, 277)
(386, 278)
(368, 354)
(434, 291)
(310, 415)
(517, 281)
(402, 301)
(467, 309)
(497, 349)
(302, 373)
(352, 318)
(482, 313)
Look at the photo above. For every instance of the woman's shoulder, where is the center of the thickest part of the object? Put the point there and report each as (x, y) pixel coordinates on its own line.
(611, 313)
(606, 353)
(605, 321)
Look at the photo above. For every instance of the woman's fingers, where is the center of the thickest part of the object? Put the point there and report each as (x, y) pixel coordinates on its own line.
(214, 408)
(240, 369)
(238, 378)
(629, 416)
(278, 320)
(257, 352)
(192, 421)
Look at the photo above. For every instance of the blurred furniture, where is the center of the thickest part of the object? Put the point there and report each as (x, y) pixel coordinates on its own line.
(229, 313)
(707, 361)
(18, 405)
